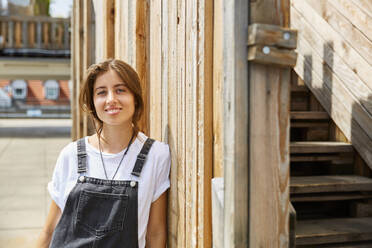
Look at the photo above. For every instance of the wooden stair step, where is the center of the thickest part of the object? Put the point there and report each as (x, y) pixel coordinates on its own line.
(333, 183)
(334, 196)
(331, 157)
(325, 231)
(320, 147)
(309, 115)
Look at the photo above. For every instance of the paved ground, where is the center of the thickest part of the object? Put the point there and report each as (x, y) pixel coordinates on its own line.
(27, 159)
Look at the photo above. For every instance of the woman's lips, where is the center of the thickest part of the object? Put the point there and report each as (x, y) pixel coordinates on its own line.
(113, 111)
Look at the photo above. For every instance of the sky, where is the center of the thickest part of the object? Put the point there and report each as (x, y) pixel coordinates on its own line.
(58, 8)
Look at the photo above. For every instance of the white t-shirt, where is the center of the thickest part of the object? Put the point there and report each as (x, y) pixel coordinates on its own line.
(153, 182)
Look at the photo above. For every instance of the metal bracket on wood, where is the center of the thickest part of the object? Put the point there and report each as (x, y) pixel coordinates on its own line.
(272, 44)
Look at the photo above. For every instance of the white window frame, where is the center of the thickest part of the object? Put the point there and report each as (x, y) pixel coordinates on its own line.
(19, 84)
(51, 90)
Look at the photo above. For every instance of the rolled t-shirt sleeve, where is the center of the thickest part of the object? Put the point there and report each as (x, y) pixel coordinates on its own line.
(162, 174)
(57, 186)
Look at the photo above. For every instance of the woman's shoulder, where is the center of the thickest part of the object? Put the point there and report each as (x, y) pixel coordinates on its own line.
(158, 148)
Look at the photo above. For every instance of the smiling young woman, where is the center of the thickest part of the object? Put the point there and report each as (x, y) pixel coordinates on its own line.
(109, 189)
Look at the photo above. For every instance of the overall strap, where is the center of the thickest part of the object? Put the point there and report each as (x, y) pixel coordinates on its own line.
(82, 156)
(141, 158)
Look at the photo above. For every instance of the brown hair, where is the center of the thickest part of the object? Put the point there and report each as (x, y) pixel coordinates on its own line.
(129, 77)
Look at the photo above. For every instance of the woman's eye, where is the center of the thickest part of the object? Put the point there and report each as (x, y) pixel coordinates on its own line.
(101, 92)
(121, 90)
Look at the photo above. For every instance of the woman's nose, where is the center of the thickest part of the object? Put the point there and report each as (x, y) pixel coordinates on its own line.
(111, 96)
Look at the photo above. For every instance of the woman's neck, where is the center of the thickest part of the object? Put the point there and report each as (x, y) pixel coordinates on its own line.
(114, 138)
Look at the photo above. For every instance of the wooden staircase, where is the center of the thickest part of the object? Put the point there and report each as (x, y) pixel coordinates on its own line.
(330, 186)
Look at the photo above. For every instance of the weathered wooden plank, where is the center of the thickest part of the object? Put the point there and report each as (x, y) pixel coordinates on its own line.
(311, 232)
(364, 5)
(235, 114)
(324, 50)
(155, 70)
(355, 15)
(340, 24)
(272, 56)
(335, 158)
(218, 124)
(309, 115)
(105, 14)
(272, 35)
(176, 214)
(320, 147)
(204, 132)
(334, 196)
(180, 38)
(190, 115)
(164, 69)
(349, 55)
(269, 92)
(142, 57)
(315, 184)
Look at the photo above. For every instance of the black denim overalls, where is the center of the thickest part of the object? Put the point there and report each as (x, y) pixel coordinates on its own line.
(100, 213)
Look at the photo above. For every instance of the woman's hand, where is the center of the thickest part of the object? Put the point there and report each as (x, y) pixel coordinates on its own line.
(156, 236)
(52, 219)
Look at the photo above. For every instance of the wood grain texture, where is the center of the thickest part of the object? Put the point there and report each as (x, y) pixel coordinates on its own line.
(350, 55)
(272, 56)
(272, 35)
(155, 70)
(218, 124)
(336, 65)
(317, 184)
(235, 118)
(142, 58)
(342, 25)
(361, 20)
(204, 123)
(337, 230)
(269, 140)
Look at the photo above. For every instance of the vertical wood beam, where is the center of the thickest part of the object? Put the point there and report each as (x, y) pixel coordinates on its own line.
(218, 124)
(175, 211)
(235, 118)
(105, 38)
(142, 57)
(155, 70)
(204, 129)
(269, 89)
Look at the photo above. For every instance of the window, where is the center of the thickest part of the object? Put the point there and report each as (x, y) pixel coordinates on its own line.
(51, 89)
(19, 89)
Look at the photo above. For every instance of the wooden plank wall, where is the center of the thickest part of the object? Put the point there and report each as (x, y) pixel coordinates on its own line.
(335, 62)
(170, 43)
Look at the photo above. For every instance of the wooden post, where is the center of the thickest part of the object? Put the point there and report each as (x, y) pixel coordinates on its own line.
(269, 88)
(142, 58)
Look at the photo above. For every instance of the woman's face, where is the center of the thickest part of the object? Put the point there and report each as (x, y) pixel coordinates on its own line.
(113, 101)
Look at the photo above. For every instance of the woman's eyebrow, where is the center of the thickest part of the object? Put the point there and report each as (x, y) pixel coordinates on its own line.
(120, 84)
(101, 87)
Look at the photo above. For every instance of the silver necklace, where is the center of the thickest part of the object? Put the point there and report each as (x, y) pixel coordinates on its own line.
(121, 160)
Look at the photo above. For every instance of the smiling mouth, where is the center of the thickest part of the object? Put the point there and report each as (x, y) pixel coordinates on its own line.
(113, 110)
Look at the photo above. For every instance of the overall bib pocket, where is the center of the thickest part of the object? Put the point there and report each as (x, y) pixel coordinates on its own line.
(101, 213)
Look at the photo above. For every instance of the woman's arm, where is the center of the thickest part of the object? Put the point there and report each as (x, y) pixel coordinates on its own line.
(52, 219)
(156, 236)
